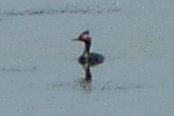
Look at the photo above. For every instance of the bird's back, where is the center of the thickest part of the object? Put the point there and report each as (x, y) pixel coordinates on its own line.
(92, 59)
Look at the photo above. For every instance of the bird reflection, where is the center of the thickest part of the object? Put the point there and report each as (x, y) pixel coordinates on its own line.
(88, 76)
(85, 83)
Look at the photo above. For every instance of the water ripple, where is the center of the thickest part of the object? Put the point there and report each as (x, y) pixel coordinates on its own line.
(66, 9)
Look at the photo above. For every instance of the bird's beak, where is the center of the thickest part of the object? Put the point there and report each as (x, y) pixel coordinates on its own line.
(76, 39)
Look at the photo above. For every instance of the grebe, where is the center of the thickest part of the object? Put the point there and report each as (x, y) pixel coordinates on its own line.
(87, 56)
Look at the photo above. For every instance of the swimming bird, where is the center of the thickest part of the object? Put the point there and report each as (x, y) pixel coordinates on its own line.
(87, 56)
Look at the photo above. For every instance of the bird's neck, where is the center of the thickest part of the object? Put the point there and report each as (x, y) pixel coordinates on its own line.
(87, 48)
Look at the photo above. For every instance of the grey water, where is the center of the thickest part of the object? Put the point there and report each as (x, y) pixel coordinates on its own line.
(39, 70)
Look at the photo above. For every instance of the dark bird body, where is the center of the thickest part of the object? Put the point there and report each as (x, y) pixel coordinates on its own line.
(92, 59)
